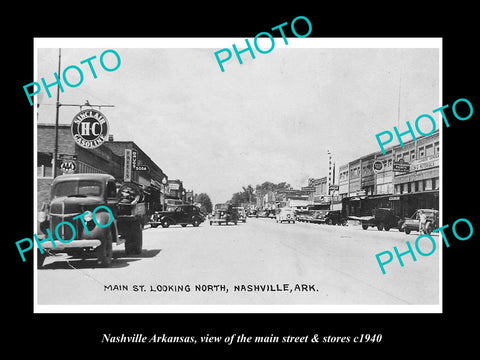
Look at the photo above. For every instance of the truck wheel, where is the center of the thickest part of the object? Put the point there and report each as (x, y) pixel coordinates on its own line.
(380, 227)
(104, 251)
(40, 259)
(364, 227)
(428, 228)
(134, 240)
(165, 223)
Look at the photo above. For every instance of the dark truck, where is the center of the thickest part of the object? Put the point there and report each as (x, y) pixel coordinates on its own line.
(178, 215)
(412, 223)
(76, 194)
(223, 214)
(382, 219)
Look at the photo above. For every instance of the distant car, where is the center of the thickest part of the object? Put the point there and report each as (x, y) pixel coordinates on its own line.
(302, 215)
(178, 215)
(224, 214)
(242, 214)
(261, 213)
(286, 214)
(251, 212)
(413, 222)
(331, 217)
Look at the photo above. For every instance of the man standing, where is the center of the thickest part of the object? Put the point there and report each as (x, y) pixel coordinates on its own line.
(423, 220)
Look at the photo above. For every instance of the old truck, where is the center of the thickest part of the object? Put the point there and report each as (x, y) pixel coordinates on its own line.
(382, 219)
(75, 199)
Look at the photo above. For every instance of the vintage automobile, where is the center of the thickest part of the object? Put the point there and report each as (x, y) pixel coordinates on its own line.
(412, 223)
(224, 214)
(303, 215)
(382, 219)
(285, 214)
(329, 217)
(241, 213)
(261, 213)
(178, 215)
(75, 194)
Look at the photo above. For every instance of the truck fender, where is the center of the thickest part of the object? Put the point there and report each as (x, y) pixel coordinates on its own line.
(98, 232)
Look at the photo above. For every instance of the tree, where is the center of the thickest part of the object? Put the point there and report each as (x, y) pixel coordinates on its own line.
(205, 203)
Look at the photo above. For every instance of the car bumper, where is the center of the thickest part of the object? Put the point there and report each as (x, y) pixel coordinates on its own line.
(58, 245)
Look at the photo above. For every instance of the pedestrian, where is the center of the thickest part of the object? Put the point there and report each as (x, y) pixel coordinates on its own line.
(423, 220)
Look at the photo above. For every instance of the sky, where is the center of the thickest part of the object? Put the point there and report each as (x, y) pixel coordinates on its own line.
(272, 118)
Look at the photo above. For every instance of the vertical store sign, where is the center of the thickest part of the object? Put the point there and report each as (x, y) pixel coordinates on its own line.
(127, 166)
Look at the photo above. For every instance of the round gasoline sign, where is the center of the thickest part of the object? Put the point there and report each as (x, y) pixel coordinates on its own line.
(89, 128)
(377, 166)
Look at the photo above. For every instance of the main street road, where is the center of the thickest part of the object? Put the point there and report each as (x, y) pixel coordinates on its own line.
(293, 264)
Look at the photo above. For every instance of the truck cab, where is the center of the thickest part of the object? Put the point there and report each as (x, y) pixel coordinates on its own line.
(67, 220)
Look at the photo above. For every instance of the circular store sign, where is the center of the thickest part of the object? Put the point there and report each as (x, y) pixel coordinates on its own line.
(89, 128)
(377, 166)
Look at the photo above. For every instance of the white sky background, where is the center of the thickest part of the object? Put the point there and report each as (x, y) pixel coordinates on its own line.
(271, 119)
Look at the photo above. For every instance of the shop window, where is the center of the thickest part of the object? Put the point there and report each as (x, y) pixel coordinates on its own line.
(44, 166)
(399, 156)
(427, 184)
(429, 150)
(421, 152)
(436, 183)
(417, 186)
(412, 155)
(406, 156)
(437, 148)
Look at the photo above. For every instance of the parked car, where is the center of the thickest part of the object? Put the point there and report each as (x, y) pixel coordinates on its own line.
(179, 215)
(285, 214)
(413, 222)
(241, 213)
(223, 214)
(251, 212)
(302, 215)
(261, 213)
(317, 216)
(382, 218)
(330, 217)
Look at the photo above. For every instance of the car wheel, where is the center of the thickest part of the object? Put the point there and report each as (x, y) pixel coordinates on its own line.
(40, 259)
(211, 222)
(428, 228)
(407, 231)
(154, 225)
(184, 225)
(196, 222)
(387, 228)
(380, 227)
(104, 251)
(134, 240)
(364, 227)
(165, 223)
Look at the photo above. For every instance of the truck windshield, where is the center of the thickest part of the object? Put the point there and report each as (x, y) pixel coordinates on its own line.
(77, 188)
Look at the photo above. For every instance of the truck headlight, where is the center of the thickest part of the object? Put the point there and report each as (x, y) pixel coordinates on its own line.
(88, 216)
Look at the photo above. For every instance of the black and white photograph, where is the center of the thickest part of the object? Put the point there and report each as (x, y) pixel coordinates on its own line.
(169, 183)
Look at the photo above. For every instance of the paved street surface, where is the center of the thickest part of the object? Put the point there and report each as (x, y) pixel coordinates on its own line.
(303, 263)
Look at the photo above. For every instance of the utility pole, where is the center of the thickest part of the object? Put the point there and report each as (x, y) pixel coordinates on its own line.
(57, 105)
